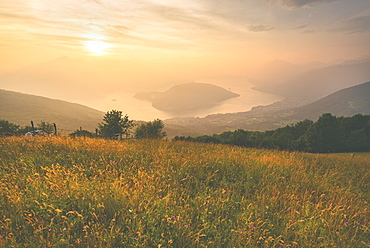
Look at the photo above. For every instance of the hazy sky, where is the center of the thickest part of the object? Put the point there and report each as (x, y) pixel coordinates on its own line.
(225, 35)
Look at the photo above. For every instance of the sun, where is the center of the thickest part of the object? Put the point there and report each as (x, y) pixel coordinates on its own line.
(97, 47)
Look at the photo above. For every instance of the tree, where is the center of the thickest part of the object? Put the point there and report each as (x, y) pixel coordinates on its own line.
(326, 135)
(82, 133)
(115, 124)
(357, 141)
(151, 130)
(8, 129)
(46, 127)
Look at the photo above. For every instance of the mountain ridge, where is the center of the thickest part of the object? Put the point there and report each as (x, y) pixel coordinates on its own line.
(20, 108)
(345, 102)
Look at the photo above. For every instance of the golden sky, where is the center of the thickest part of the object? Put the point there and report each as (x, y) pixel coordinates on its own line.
(222, 35)
(100, 53)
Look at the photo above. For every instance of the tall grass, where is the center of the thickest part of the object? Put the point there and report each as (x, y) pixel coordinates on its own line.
(63, 192)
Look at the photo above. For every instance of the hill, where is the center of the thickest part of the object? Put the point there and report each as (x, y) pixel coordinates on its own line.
(64, 192)
(20, 109)
(318, 83)
(278, 72)
(187, 97)
(346, 102)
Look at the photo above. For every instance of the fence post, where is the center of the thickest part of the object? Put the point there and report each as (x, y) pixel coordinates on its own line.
(33, 128)
(55, 129)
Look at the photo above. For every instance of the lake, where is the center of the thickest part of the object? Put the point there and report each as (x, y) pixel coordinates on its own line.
(123, 100)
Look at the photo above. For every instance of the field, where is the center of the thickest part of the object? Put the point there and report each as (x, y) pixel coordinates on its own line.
(64, 192)
(357, 154)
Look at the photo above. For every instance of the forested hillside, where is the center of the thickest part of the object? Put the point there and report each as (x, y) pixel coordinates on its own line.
(328, 134)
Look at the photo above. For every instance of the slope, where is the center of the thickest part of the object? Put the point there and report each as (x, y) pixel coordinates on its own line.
(345, 102)
(316, 84)
(21, 108)
(64, 192)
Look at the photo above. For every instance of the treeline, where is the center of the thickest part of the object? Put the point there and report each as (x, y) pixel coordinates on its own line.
(10, 129)
(115, 125)
(328, 134)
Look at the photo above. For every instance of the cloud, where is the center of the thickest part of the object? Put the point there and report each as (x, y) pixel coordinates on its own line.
(301, 27)
(166, 13)
(15, 17)
(294, 4)
(355, 25)
(309, 31)
(260, 28)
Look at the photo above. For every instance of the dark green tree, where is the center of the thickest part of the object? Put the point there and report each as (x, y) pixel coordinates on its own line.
(82, 133)
(357, 141)
(46, 127)
(115, 124)
(283, 137)
(8, 129)
(326, 135)
(151, 130)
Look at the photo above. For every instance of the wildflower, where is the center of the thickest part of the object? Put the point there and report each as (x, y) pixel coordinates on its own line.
(173, 218)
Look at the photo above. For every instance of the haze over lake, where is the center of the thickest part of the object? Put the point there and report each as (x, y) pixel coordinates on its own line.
(101, 53)
(143, 110)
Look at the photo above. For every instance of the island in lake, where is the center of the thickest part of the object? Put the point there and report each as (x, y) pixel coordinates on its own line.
(187, 97)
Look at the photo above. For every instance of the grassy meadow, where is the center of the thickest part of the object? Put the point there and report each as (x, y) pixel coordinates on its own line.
(356, 154)
(65, 192)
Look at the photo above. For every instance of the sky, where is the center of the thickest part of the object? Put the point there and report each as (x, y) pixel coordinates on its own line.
(226, 35)
(95, 52)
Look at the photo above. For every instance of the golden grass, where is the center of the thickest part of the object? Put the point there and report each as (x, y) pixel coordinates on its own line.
(64, 192)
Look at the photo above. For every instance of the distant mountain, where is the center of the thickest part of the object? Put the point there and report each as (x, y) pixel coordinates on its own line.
(20, 109)
(345, 102)
(316, 84)
(187, 97)
(278, 71)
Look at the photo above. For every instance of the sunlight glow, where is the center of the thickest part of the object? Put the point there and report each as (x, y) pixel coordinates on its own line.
(97, 47)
